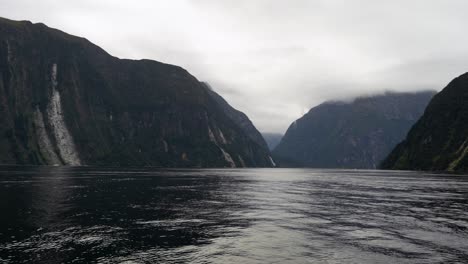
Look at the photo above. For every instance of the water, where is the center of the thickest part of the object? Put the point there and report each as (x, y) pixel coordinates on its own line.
(89, 215)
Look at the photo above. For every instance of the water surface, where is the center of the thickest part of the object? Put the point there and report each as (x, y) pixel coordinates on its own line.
(108, 215)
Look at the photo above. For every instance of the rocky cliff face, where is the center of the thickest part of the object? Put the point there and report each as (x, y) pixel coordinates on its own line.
(64, 100)
(439, 140)
(351, 135)
(238, 117)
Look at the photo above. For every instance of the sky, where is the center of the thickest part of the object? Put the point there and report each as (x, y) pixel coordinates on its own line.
(275, 59)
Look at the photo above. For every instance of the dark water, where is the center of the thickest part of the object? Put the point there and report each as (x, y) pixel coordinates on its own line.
(86, 215)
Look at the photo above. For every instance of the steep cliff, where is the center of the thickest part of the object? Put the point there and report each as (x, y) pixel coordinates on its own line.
(356, 134)
(241, 119)
(439, 140)
(64, 100)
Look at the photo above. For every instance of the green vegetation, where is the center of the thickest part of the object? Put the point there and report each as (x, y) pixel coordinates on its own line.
(438, 141)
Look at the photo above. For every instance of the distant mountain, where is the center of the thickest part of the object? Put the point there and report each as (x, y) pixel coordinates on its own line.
(64, 100)
(272, 139)
(357, 134)
(439, 140)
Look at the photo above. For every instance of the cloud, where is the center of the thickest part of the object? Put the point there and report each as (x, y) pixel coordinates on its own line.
(274, 59)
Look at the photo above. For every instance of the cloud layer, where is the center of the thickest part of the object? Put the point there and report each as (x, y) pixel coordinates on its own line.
(276, 59)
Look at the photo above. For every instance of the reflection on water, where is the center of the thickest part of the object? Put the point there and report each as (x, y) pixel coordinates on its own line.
(90, 215)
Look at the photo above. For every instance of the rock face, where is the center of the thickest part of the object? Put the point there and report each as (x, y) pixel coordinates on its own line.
(66, 101)
(272, 139)
(357, 134)
(439, 140)
(238, 117)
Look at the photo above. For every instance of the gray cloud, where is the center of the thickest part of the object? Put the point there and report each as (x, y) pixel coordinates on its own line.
(275, 59)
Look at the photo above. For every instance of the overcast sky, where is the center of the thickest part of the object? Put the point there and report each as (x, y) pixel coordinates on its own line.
(275, 59)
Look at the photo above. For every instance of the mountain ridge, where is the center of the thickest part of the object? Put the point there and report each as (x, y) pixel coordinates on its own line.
(67, 101)
(438, 141)
(354, 134)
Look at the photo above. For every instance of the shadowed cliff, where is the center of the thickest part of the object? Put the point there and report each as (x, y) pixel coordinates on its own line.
(64, 100)
(439, 140)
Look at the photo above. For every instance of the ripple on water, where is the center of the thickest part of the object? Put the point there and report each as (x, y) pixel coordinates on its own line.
(86, 215)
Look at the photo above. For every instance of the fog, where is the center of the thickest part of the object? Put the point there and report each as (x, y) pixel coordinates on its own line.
(273, 59)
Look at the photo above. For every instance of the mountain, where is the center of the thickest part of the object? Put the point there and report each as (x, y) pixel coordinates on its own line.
(238, 117)
(64, 100)
(272, 139)
(439, 140)
(357, 134)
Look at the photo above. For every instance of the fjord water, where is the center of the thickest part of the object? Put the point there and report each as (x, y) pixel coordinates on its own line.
(108, 215)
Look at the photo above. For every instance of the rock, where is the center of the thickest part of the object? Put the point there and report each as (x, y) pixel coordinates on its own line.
(64, 100)
(357, 134)
(439, 140)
